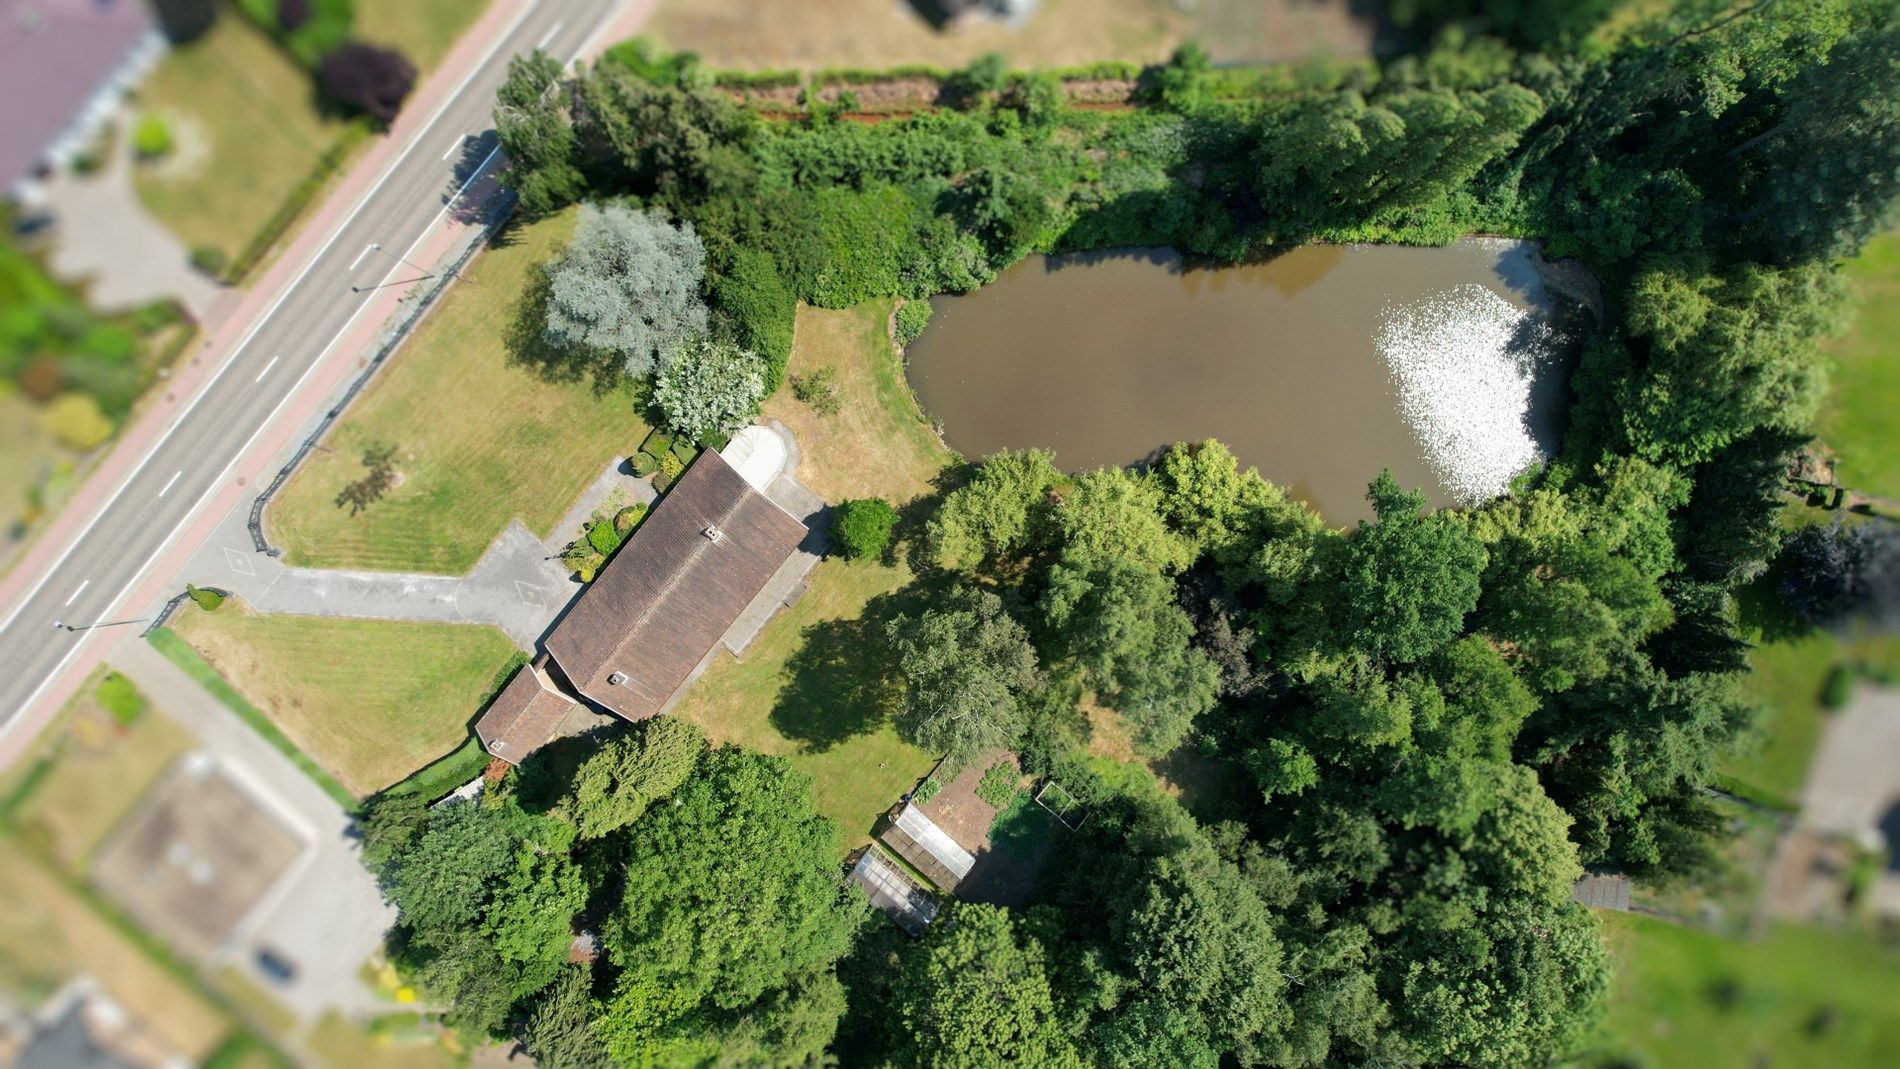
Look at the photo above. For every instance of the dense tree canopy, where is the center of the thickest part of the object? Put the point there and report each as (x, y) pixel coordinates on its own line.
(1430, 721)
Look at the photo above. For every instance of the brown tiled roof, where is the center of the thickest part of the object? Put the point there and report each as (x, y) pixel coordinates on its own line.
(523, 717)
(663, 602)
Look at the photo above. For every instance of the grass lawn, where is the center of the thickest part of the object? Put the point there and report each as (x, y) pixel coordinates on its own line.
(480, 439)
(98, 769)
(1787, 670)
(48, 935)
(1862, 418)
(424, 30)
(811, 34)
(878, 443)
(370, 700)
(813, 686)
(1796, 997)
(247, 130)
(342, 1044)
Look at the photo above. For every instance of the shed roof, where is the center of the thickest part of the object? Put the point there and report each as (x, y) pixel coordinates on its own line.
(892, 890)
(667, 597)
(53, 55)
(524, 716)
(928, 848)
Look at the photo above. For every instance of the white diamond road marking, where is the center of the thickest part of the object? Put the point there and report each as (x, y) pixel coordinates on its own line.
(532, 595)
(239, 562)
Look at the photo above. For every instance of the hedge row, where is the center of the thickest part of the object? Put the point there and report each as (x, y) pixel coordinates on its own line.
(294, 205)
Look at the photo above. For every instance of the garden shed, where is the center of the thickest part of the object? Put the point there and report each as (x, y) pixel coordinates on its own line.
(928, 848)
(663, 602)
(892, 890)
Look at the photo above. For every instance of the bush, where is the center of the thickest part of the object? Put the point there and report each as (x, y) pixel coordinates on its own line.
(208, 259)
(710, 388)
(643, 463)
(818, 388)
(77, 421)
(1839, 688)
(998, 784)
(208, 600)
(185, 20)
(151, 138)
(604, 537)
(758, 309)
(671, 466)
(912, 318)
(119, 698)
(926, 790)
(628, 519)
(372, 80)
(862, 528)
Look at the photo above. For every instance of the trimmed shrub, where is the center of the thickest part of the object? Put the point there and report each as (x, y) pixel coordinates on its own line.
(628, 519)
(671, 465)
(208, 600)
(603, 536)
(372, 80)
(1839, 688)
(912, 318)
(120, 699)
(208, 258)
(151, 138)
(643, 463)
(862, 528)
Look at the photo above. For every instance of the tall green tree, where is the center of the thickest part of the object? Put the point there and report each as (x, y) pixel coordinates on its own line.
(966, 666)
(618, 781)
(995, 516)
(976, 994)
(1408, 580)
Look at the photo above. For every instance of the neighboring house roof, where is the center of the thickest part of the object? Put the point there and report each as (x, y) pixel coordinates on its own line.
(1603, 891)
(524, 716)
(928, 848)
(54, 54)
(68, 1044)
(666, 598)
(892, 890)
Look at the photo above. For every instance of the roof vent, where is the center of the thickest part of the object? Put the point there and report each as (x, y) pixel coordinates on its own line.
(617, 678)
(714, 534)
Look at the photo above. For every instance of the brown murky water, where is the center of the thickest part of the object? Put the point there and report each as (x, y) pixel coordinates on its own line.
(1105, 357)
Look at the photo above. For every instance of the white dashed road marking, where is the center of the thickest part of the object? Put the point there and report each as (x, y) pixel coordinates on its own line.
(266, 371)
(169, 482)
(81, 590)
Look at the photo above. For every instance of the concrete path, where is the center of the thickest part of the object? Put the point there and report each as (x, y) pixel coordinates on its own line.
(326, 915)
(519, 585)
(105, 241)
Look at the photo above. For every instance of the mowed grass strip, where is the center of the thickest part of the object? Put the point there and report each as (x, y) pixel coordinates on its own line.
(1796, 996)
(370, 700)
(878, 443)
(246, 130)
(480, 439)
(1862, 418)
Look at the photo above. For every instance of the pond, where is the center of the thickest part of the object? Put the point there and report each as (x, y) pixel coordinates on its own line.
(1320, 366)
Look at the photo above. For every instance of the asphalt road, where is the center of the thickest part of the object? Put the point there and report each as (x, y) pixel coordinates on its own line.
(192, 458)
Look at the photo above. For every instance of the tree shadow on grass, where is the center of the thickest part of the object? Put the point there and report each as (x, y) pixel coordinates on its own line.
(529, 346)
(843, 679)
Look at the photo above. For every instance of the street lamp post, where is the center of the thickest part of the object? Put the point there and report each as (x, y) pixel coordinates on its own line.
(376, 245)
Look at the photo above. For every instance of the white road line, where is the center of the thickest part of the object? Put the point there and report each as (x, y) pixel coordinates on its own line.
(548, 36)
(76, 593)
(169, 482)
(453, 145)
(8, 725)
(204, 392)
(266, 371)
(360, 255)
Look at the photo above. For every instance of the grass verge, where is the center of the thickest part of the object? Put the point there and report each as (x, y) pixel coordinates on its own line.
(480, 437)
(1796, 996)
(370, 701)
